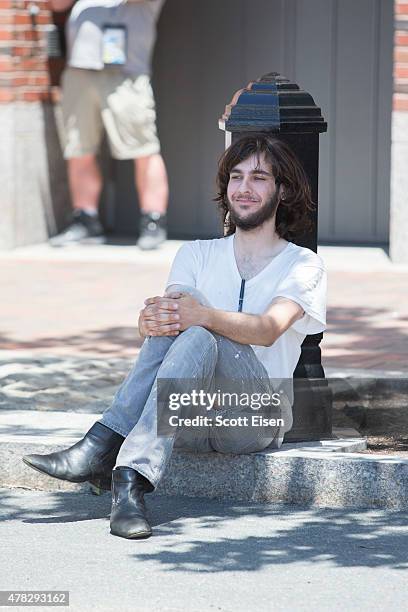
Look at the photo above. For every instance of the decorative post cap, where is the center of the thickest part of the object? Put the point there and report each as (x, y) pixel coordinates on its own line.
(272, 104)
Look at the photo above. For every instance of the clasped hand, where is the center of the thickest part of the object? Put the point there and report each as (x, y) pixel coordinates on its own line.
(170, 314)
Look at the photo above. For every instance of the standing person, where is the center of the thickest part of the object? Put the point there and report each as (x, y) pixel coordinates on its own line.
(106, 86)
(237, 308)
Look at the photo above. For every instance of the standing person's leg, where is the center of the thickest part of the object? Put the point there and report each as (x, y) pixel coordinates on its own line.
(129, 116)
(153, 191)
(82, 133)
(85, 183)
(152, 184)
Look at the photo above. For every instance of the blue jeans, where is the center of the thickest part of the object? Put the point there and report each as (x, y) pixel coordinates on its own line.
(196, 354)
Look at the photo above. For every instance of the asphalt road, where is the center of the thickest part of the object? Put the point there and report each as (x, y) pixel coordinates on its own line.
(204, 555)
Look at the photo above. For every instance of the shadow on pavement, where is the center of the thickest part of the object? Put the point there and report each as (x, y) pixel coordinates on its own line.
(103, 341)
(212, 536)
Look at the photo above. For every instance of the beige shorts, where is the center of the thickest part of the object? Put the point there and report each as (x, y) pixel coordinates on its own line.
(95, 100)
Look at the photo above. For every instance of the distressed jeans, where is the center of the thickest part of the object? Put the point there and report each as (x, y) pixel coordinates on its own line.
(195, 354)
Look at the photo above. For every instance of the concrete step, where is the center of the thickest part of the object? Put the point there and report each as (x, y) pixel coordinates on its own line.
(328, 473)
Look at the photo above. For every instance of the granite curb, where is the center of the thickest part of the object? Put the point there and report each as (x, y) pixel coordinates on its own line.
(324, 474)
(321, 478)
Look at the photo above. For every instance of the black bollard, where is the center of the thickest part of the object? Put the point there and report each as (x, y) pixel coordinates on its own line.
(274, 105)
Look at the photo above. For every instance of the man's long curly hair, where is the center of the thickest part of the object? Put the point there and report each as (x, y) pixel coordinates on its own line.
(292, 215)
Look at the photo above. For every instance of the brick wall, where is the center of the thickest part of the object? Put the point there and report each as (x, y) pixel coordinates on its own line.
(26, 73)
(401, 56)
(34, 190)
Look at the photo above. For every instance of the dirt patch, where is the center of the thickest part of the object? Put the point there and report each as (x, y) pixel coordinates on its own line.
(387, 445)
(380, 415)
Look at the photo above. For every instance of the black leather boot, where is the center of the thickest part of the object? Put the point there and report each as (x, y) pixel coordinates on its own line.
(128, 516)
(92, 458)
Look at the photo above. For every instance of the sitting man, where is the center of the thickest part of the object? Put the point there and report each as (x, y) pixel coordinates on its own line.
(235, 307)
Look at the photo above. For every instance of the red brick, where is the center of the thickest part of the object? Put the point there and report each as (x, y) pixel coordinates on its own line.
(6, 17)
(29, 35)
(6, 63)
(401, 8)
(33, 63)
(40, 80)
(19, 51)
(22, 19)
(25, 4)
(43, 18)
(6, 34)
(400, 54)
(401, 39)
(32, 95)
(6, 95)
(31, 82)
(400, 102)
(6, 4)
(20, 81)
(400, 71)
(40, 15)
(28, 78)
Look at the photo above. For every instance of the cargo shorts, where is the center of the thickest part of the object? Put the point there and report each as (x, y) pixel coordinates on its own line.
(94, 101)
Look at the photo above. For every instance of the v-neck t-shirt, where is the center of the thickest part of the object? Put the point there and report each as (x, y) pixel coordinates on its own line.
(296, 273)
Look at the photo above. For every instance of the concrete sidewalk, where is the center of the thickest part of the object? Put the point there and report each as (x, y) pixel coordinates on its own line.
(204, 555)
(84, 301)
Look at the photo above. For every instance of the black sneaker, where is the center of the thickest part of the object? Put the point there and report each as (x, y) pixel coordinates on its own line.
(152, 231)
(85, 228)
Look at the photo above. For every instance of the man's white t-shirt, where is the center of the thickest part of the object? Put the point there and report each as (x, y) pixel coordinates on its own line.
(296, 273)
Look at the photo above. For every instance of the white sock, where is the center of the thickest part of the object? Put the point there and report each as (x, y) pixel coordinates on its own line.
(90, 211)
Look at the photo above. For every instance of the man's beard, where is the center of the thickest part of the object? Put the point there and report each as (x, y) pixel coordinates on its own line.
(258, 217)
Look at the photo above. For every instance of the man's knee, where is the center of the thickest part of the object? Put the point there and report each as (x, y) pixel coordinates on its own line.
(200, 297)
(196, 331)
(163, 342)
(200, 337)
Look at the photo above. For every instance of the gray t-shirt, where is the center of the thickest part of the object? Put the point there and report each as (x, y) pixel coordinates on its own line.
(85, 27)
